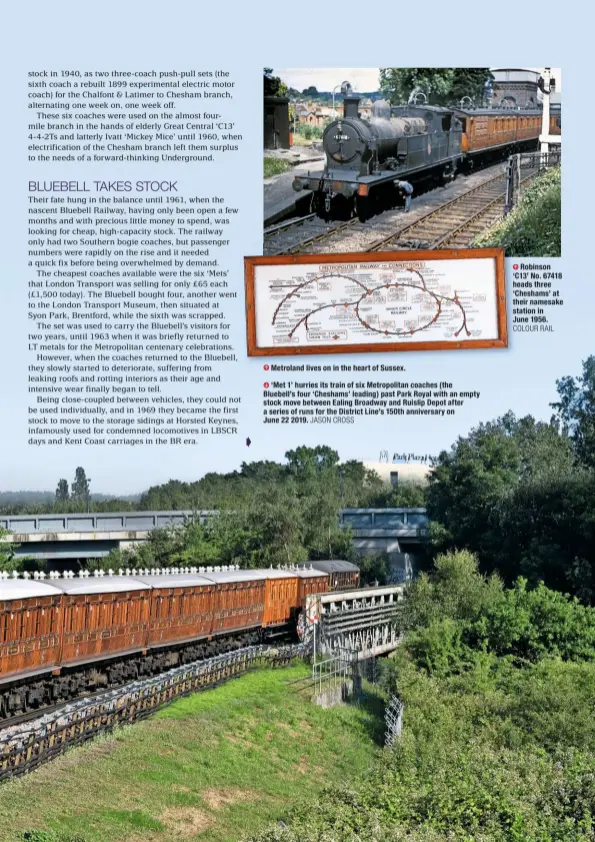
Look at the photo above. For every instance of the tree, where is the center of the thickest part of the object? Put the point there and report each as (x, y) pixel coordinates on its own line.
(575, 411)
(442, 86)
(8, 562)
(173, 495)
(547, 532)
(309, 460)
(264, 471)
(80, 487)
(410, 495)
(62, 494)
(273, 86)
(471, 483)
(310, 92)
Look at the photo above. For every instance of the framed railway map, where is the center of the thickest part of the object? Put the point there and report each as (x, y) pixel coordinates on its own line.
(358, 302)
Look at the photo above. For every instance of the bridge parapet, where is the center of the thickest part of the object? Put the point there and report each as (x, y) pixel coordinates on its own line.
(94, 522)
(363, 620)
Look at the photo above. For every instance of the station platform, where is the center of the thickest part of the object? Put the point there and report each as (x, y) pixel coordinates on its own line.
(279, 196)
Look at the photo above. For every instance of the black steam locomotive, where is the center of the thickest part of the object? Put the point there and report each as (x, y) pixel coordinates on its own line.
(365, 158)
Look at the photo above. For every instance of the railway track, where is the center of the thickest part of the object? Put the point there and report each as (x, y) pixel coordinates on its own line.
(30, 740)
(452, 224)
(288, 237)
(455, 224)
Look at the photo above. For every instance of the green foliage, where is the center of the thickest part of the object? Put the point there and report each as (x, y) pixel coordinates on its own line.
(62, 492)
(373, 569)
(268, 513)
(410, 495)
(80, 490)
(309, 132)
(8, 561)
(575, 411)
(534, 228)
(273, 86)
(510, 491)
(15, 503)
(456, 590)
(456, 611)
(534, 624)
(498, 741)
(275, 166)
(443, 86)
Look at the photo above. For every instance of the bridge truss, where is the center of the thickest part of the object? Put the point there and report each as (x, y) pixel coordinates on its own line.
(363, 621)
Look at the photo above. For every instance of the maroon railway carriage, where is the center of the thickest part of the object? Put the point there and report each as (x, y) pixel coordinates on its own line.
(102, 617)
(76, 621)
(30, 627)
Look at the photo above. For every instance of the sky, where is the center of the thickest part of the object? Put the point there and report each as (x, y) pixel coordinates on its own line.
(361, 78)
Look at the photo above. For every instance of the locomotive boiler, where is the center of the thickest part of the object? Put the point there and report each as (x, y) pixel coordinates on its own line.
(365, 158)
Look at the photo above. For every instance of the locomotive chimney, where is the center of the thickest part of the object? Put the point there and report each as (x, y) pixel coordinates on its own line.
(351, 105)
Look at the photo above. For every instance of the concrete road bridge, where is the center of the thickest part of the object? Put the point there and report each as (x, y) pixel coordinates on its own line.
(80, 536)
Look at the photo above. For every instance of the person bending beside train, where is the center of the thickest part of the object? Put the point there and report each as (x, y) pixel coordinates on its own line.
(406, 191)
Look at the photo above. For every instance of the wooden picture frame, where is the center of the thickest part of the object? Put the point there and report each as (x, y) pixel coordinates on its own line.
(493, 254)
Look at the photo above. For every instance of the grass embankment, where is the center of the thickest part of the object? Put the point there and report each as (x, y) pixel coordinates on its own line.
(275, 166)
(498, 740)
(493, 754)
(534, 228)
(215, 766)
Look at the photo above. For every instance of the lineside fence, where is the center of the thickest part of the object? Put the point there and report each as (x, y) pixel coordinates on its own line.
(26, 746)
(517, 168)
(393, 721)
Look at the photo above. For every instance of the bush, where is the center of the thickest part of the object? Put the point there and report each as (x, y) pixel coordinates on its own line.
(309, 132)
(534, 228)
(275, 166)
(455, 589)
(373, 569)
(490, 752)
(497, 754)
(536, 624)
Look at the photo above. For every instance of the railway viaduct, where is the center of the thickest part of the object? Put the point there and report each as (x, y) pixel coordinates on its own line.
(64, 538)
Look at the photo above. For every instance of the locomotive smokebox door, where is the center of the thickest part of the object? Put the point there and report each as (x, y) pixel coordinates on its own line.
(342, 142)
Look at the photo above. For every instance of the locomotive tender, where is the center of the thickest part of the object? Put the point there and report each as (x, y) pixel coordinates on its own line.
(365, 157)
(63, 637)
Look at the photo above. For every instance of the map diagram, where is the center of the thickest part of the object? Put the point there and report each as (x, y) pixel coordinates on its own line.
(436, 302)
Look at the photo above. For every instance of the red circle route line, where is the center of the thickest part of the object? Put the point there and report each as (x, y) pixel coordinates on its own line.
(296, 289)
(438, 298)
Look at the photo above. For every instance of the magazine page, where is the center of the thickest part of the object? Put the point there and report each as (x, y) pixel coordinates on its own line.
(298, 388)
